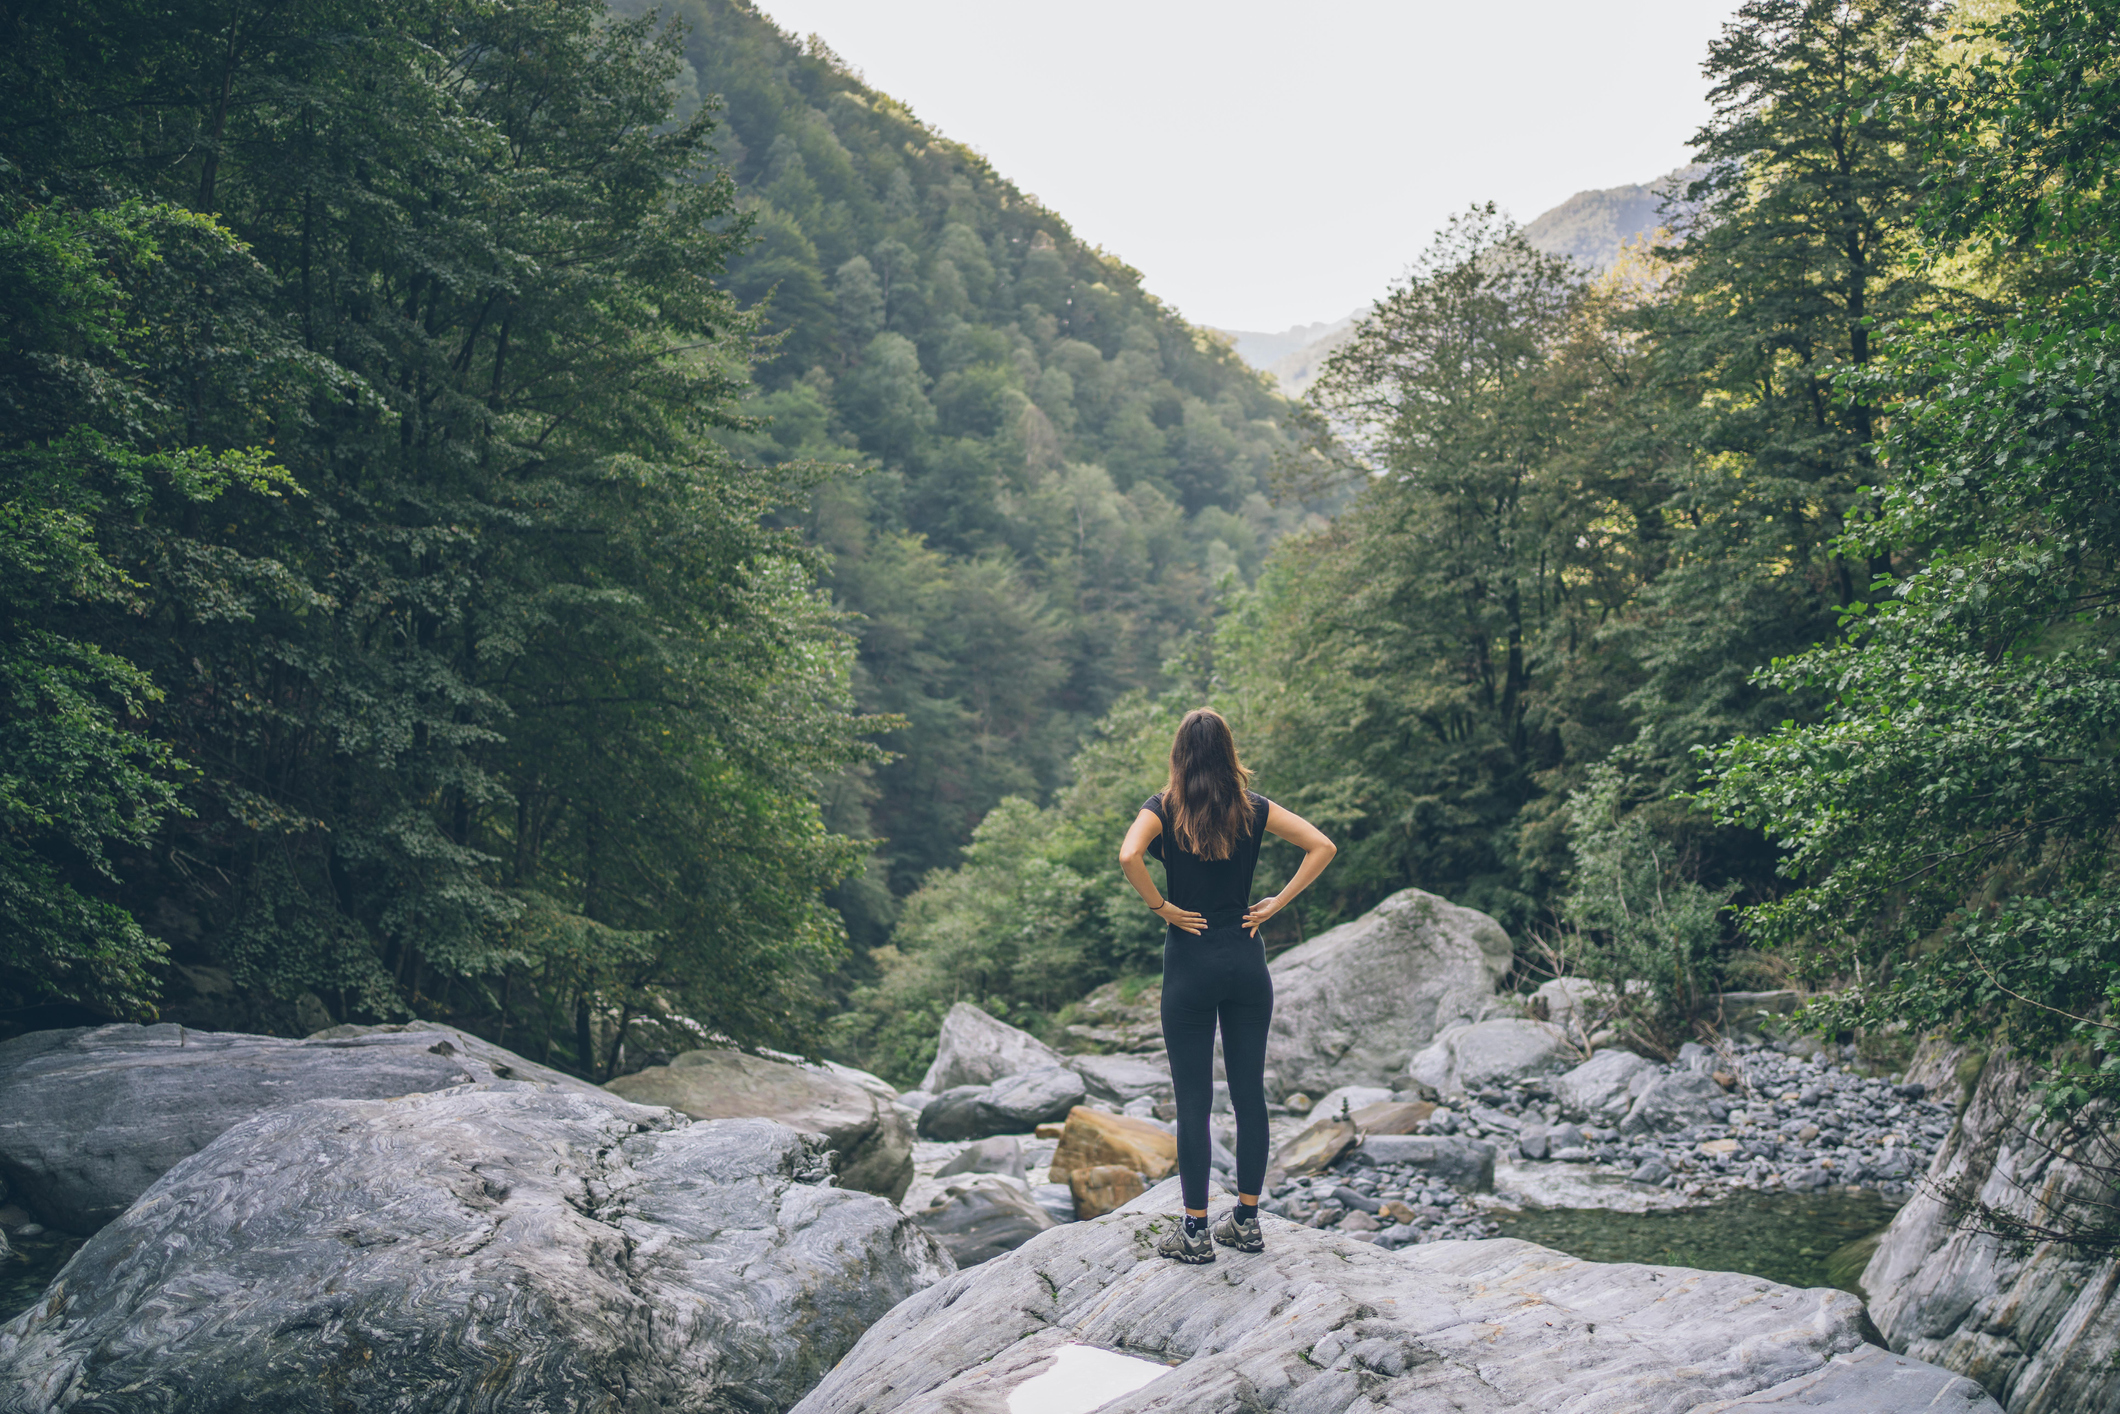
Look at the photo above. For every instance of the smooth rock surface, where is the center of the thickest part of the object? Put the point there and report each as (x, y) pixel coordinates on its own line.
(1352, 1005)
(1349, 1098)
(871, 1142)
(90, 1117)
(1599, 1087)
(1015, 1105)
(1467, 1059)
(1120, 1079)
(1466, 1164)
(1393, 1116)
(1103, 1189)
(1674, 1100)
(473, 1249)
(1325, 1324)
(1001, 1154)
(974, 1048)
(1319, 1143)
(2039, 1327)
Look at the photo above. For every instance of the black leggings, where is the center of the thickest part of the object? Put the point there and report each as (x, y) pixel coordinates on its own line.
(1219, 974)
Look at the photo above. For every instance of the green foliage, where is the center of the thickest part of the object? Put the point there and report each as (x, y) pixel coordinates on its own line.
(518, 712)
(1952, 819)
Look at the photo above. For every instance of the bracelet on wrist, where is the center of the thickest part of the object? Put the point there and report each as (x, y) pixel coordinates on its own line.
(1157, 906)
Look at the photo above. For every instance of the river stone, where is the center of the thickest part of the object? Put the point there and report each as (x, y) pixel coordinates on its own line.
(1091, 1138)
(1463, 1164)
(1353, 1004)
(1321, 1323)
(90, 1117)
(1600, 1086)
(1672, 1101)
(871, 1142)
(2038, 1325)
(472, 1249)
(1016, 1105)
(1393, 1116)
(977, 1049)
(1103, 1189)
(984, 1221)
(1122, 1079)
(1316, 1147)
(1468, 1059)
(1351, 1098)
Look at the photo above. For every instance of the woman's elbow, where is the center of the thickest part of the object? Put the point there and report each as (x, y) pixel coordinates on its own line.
(1326, 849)
(1128, 858)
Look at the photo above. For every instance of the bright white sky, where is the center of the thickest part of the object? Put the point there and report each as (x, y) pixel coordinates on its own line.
(1270, 164)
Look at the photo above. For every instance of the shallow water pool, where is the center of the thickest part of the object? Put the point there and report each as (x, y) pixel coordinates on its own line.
(1784, 1237)
(29, 1268)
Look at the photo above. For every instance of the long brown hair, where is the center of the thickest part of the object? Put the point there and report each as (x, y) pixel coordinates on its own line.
(1206, 800)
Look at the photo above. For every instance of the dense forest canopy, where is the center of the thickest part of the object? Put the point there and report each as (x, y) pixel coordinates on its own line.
(557, 517)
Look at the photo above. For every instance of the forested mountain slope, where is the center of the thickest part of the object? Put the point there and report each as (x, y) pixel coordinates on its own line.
(1063, 469)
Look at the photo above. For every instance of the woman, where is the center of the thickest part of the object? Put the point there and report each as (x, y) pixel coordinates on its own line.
(1206, 826)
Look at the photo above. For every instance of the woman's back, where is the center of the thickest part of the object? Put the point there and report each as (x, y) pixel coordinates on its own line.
(1217, 888)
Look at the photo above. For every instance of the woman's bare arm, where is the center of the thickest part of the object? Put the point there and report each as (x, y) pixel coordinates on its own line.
(1317, 853)
(1135, 848)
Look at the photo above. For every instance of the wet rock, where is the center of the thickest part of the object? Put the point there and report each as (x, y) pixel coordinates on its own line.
(871, 1141)
(1321, 1323)
(1467, 1059)
(977, 1049)
(1353, 1004)
(1015, 1105)
(472, 1248)
(984, 1221)
(1091, 1139)
(1466, 1164)
(1601, 1086)
(90, 1117)
(1103, 1189)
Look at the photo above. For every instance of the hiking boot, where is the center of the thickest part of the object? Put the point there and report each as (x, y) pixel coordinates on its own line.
(1244, 1236)
(1180, 1248)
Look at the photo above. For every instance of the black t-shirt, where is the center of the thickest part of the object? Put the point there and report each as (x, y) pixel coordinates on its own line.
(1219, 889)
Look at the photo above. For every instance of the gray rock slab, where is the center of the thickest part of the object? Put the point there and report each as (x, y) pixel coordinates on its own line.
(870, 1138)
(1353, 1004)
(1466, 1059)
(1010, 1106)
(1466, 1164)
(1323, 1324)
(1001, 1154)
(974, 1048)
(1599, 1086)
(1122, 1079)
(472, 1249)
(2037, 1324)
(1672, 1101)
(90, 1117)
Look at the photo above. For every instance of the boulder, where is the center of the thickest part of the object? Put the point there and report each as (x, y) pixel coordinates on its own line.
(90, 1117)
(476, 1248)
(1016, 1105)
(1321, 1323)
(1353, 1004)
(1467, 1059)
(1351, 1098)
(1393, 1116)
(871, 1142)
(1464, 1164)
(2035, 1322)
(1672, 1101)
(1599, 1087)
(1574, 1004)
(1316, 1147)
(983, 1221)
(1121, 1079)
(1092, 1139)
(1103, 1189)
(998, 1155)
(977, 1049)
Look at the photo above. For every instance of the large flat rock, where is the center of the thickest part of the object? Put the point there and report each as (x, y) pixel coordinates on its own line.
(1323, 1324)
(871, 1141)
(90, 1117)
(471, 1250)
(1353, 1004)
(2036, 1323)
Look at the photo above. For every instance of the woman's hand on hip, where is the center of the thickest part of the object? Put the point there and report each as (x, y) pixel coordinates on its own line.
(1183, 919)
(1259, 912)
